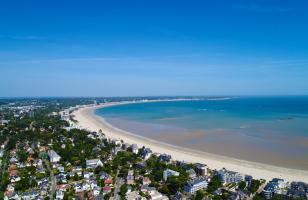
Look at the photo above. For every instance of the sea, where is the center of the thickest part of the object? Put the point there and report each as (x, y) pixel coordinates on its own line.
(270, 130)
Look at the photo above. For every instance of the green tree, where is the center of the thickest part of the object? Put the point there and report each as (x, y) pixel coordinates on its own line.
(123, 190)
(199, 195)
(214, 184)
(254, 186)
(242, 185)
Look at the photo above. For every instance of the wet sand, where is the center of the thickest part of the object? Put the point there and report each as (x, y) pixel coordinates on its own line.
(88, 120)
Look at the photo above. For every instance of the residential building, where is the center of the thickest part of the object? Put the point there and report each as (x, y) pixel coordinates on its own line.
(201, 169)
(134, 196)
(53, 156)
(130, 177)
(196, 184)
(230, 176)
(135, 149)
(191, 173)
(94, 163)
(168, 172)
(155, 195)
(146, 154)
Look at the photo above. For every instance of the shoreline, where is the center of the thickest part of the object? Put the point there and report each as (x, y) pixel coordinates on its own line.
(87, 119)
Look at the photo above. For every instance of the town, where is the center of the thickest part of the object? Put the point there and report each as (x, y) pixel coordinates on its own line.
(44, 154)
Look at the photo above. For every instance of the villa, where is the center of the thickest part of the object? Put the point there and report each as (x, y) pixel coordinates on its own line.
(53, 156)
(94, 163)
(229, 176)
(168, 172)
(196, 184)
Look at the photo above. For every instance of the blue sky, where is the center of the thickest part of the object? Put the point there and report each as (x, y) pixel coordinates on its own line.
(153, 47)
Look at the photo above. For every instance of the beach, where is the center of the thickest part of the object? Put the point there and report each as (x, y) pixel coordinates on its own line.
(87, 119)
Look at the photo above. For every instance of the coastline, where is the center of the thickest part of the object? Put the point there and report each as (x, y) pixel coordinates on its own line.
(87, 119)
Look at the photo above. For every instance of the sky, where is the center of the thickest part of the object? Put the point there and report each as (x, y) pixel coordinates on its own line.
(153, 48)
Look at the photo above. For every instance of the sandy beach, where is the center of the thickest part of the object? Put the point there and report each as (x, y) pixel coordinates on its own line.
(88, 120)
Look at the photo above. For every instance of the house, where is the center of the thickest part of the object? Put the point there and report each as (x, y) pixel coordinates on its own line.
(299, 190)
(53, 156)
(276, 185)
(107, 189)
(155, 195)
(248, 179)
(77, 170)
(104, 175)
(168, 172)
(59, 194)
(94, 163)
(85, 186)
(135, 149)
(77, 187)
(191, 173)
(108, 181)
(134, 196)
(146, 181)
(229, 176)
(117, 142)
(130, 177)
(88, 175)
(269, 190)
(1, 153)
(196, 184)
(201, 169)
(15, 179)
(61, 169)
(146, 154)
(178, 196)
(115, 150)
(4, 122)
(96, 191)
(165, 157)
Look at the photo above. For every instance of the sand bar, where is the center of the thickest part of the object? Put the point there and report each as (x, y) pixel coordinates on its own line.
(87, 119)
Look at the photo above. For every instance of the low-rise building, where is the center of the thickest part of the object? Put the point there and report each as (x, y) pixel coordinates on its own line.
(155, 195)
(196, 184)
(134, 196)
(201, 169)
(53, 156)
(230, 176)
(191, 173)
(93, 163)
(168, 172)
(146, 154)
(130, 177)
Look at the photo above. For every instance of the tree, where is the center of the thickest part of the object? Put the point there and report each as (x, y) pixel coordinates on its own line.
(242, 185)
(165, 190)
(254, 186)
(22, 155)
(199, 195)
(258, 197)
(123, 190)
(214, 184)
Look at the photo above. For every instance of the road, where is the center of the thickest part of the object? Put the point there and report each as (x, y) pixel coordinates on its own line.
(53, 180)
(117, 185)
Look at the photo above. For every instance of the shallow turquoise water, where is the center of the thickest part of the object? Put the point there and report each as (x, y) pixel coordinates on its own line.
(277, 125)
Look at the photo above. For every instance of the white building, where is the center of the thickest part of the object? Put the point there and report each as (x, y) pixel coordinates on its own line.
(53, 156)
(168, 172)
(196, 184)
(201, 169)
(155, 195)
(134, 196)
(135, 149)
(229, 176)
(94, 163)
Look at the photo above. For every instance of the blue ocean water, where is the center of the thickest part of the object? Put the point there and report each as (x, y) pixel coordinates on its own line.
(277, 125)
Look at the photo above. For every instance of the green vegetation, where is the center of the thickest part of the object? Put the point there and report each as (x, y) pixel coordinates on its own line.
(254, 186)
(214, 184)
